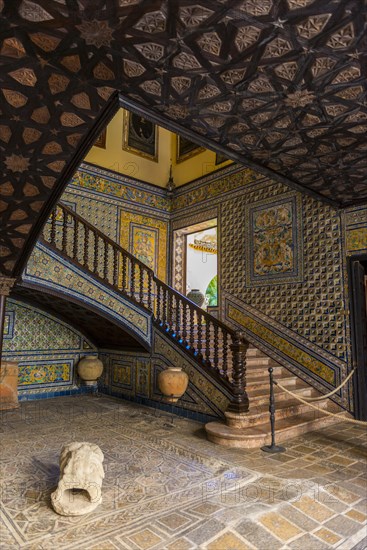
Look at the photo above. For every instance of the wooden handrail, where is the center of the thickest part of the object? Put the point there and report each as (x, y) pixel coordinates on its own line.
(218, 348)
(202, 311)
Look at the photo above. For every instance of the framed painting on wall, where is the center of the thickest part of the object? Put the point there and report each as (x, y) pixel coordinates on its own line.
(140, 136)
(185, 149)
(101, 139)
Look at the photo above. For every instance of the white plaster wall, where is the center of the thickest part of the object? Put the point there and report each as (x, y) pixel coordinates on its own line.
(200, 266)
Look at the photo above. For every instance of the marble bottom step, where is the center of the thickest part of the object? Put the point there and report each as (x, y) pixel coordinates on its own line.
(257, 436)
(259, 414)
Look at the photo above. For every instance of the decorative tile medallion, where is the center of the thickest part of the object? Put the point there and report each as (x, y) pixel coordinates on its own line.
(146, 237)
(144, 245)
(273, 245)
(34, 373)
(357, 239)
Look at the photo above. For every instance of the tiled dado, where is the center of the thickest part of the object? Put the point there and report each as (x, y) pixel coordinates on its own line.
(45, 349)
(134, 376)
(315, 365)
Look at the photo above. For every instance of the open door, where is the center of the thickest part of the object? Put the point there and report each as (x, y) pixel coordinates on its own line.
(358, 272)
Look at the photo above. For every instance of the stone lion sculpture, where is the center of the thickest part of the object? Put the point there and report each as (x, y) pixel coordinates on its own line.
(80, 484)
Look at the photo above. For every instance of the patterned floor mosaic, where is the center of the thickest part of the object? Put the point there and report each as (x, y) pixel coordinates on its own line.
(166, 487)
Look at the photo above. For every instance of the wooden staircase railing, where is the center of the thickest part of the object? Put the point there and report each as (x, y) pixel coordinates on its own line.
(219, 349)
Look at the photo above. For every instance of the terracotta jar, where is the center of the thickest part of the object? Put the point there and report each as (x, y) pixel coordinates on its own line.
(173, 383)
(89, 369)
(8, 385)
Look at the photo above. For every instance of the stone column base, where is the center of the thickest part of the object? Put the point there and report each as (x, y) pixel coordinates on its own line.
(8, 385)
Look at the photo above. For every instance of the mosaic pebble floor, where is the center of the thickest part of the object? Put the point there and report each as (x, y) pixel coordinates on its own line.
(167, 487)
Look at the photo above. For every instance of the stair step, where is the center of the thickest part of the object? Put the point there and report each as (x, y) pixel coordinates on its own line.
(254, 352)
(259, 414)
(254, 375)
(260, 361)
(286, 428)
(286, 379)
(257, 397)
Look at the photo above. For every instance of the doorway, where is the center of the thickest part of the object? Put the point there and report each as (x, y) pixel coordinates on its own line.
(201, 265)
(195, 261)
(357, 269)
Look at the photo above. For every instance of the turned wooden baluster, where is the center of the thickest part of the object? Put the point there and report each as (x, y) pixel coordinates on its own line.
(150, 284)
(86, 246)
(53, 227)
(192, 327)
(64, 241)
(75, 240)
(158, 303)
(199, 335)
(141, 284)
(178, 319)
(132, 278)
(95, 260)
(225, 352)
(105, 261)
(115, 268)
(207, 343)
(124, 270)
(184, 321)
(240, 402)
(170, 312)
(215, 342)
(164, 316)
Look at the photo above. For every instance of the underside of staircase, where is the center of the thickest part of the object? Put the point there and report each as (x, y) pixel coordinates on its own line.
(292, 418)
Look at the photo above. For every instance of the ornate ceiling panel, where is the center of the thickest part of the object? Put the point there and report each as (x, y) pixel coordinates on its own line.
(278, 83)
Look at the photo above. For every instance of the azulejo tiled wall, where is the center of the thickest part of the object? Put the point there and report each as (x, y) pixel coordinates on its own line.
(134, 376)
(132, 213)
(356, 230)
(46, 349)
(282, 270)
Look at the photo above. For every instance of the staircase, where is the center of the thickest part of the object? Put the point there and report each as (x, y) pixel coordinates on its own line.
(222, 352)
(293, 418)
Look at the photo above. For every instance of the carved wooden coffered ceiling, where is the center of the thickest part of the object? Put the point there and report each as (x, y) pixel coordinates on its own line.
(278, 84)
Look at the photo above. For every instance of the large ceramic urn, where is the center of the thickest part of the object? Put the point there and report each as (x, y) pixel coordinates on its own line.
(196, 296)
(173, 383)
(90, 369)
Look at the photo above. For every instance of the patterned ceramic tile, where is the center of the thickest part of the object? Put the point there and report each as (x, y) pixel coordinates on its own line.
(36, 330)
(167, 488)
(47, 268)
(115, 185)
(274, 244)
(146, 238)
(45, 373)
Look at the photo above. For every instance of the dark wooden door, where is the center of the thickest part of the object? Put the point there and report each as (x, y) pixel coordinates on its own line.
(359, 324)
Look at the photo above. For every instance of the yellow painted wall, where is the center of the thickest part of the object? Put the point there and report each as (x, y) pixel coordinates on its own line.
(194, 167)
(115, 158)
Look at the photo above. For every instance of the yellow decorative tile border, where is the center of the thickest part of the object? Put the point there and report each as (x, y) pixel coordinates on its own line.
(357, 239)
(292, 351)
(209, 190)
(129, 220)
